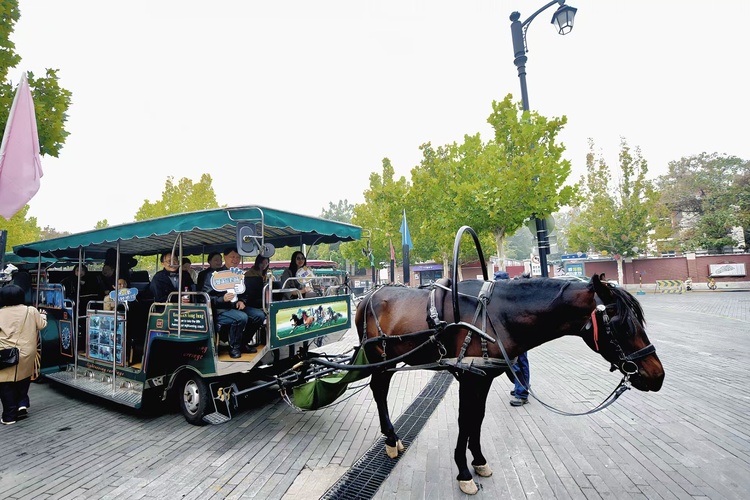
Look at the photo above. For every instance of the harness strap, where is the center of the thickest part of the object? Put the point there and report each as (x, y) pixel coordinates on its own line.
(641, 353)
(595, 322)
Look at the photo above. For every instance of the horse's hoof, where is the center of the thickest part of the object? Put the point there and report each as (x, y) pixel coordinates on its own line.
(469, 487)
(483, 470)
(391, 451)
(399, 445)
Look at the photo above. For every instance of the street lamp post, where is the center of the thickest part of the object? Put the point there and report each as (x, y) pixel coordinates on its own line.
(563, 21)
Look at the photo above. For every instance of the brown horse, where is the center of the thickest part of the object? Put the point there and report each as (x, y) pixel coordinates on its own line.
(516, 316)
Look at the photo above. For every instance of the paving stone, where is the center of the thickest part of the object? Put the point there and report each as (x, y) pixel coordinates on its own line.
(678, 443)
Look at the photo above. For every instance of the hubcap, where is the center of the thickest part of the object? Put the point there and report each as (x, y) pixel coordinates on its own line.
(191, 397)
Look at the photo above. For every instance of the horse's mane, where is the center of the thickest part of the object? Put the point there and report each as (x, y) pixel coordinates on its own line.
(546, 292)
(533, 290)
(628, 310)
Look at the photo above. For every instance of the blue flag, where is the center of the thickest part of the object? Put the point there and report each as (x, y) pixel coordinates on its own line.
(405, 235)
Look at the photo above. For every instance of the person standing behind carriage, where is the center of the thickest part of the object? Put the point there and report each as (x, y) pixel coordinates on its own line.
(522, 379)
(19, 325)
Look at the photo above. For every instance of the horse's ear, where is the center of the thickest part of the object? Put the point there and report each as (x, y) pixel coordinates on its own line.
(601, 289)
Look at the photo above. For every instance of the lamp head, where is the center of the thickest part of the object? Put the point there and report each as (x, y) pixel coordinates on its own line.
(563, 18)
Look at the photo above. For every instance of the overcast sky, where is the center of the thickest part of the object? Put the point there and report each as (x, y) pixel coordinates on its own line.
(293, 104)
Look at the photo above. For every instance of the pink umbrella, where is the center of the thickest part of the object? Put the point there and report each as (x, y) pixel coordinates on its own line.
(20, 166)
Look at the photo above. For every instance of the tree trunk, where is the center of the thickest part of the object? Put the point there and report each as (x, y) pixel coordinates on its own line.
(620, 275)
(500, 247)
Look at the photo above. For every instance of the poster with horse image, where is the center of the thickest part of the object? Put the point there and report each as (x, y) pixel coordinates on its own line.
(298, 320)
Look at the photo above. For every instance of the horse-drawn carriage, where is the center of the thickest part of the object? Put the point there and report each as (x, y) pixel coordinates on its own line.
(474, 329)
(144, 352)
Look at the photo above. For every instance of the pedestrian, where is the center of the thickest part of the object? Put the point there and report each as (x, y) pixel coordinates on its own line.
(520, 392)
(19, 327)
(522, 378)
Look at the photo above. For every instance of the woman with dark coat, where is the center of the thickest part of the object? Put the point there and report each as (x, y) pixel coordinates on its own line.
(297, 267)
(19, 325)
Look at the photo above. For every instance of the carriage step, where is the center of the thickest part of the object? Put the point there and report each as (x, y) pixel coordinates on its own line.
(216, 418)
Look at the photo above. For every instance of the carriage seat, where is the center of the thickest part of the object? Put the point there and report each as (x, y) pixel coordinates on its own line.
(435, 310)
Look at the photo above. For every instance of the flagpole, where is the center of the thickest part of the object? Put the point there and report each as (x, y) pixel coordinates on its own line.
(406, 245)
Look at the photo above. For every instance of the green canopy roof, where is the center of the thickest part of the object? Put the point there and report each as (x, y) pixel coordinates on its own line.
(202, 232)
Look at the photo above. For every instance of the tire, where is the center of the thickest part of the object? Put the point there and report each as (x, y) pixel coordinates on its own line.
(194, 398)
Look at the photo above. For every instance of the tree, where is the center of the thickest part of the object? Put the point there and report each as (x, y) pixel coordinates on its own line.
(179, 198)
(706, 197)
(51, 102)
(20, 229)
(50, 232)
(494, 187)
(101, 224)
(380, 214)
(616, 214)
(341, 211)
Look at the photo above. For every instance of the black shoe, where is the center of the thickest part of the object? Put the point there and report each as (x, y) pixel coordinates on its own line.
(249, 349)
(22, 413)
(235, 353)
(518, 401)
(513, 393)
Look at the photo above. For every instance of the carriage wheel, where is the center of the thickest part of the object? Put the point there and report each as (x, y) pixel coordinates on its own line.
(193, 399)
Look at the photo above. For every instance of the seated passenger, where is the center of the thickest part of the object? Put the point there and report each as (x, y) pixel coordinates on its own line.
(88, 285)
(214, 263)
(228, 309)
(297, 268)
(255, 279)
(187, 266)
(109, 302)
(166, 281)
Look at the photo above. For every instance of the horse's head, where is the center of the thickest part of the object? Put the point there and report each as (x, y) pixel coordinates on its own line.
(617, 331)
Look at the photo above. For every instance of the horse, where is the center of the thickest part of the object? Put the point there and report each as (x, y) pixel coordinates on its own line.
(399, 323)
(295, 321)
(307, 320)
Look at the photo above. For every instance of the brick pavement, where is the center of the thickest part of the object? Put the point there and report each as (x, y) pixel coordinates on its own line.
(690, 440)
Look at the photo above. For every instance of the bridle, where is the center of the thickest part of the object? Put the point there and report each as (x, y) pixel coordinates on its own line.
(627, 361)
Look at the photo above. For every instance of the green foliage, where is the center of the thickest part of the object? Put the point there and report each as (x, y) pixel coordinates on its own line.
(706, 195)
(101, 224)
(493, 187)
(185, 196)
(381, 215)
(341, 211)
(616, 214)
(51, 102)
(50, 232)
(9, 16)
(20, 229)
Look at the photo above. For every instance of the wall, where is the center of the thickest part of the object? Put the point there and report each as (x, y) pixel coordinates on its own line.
(668, 268)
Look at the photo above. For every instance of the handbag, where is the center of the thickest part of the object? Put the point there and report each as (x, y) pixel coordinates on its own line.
(9, 357)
